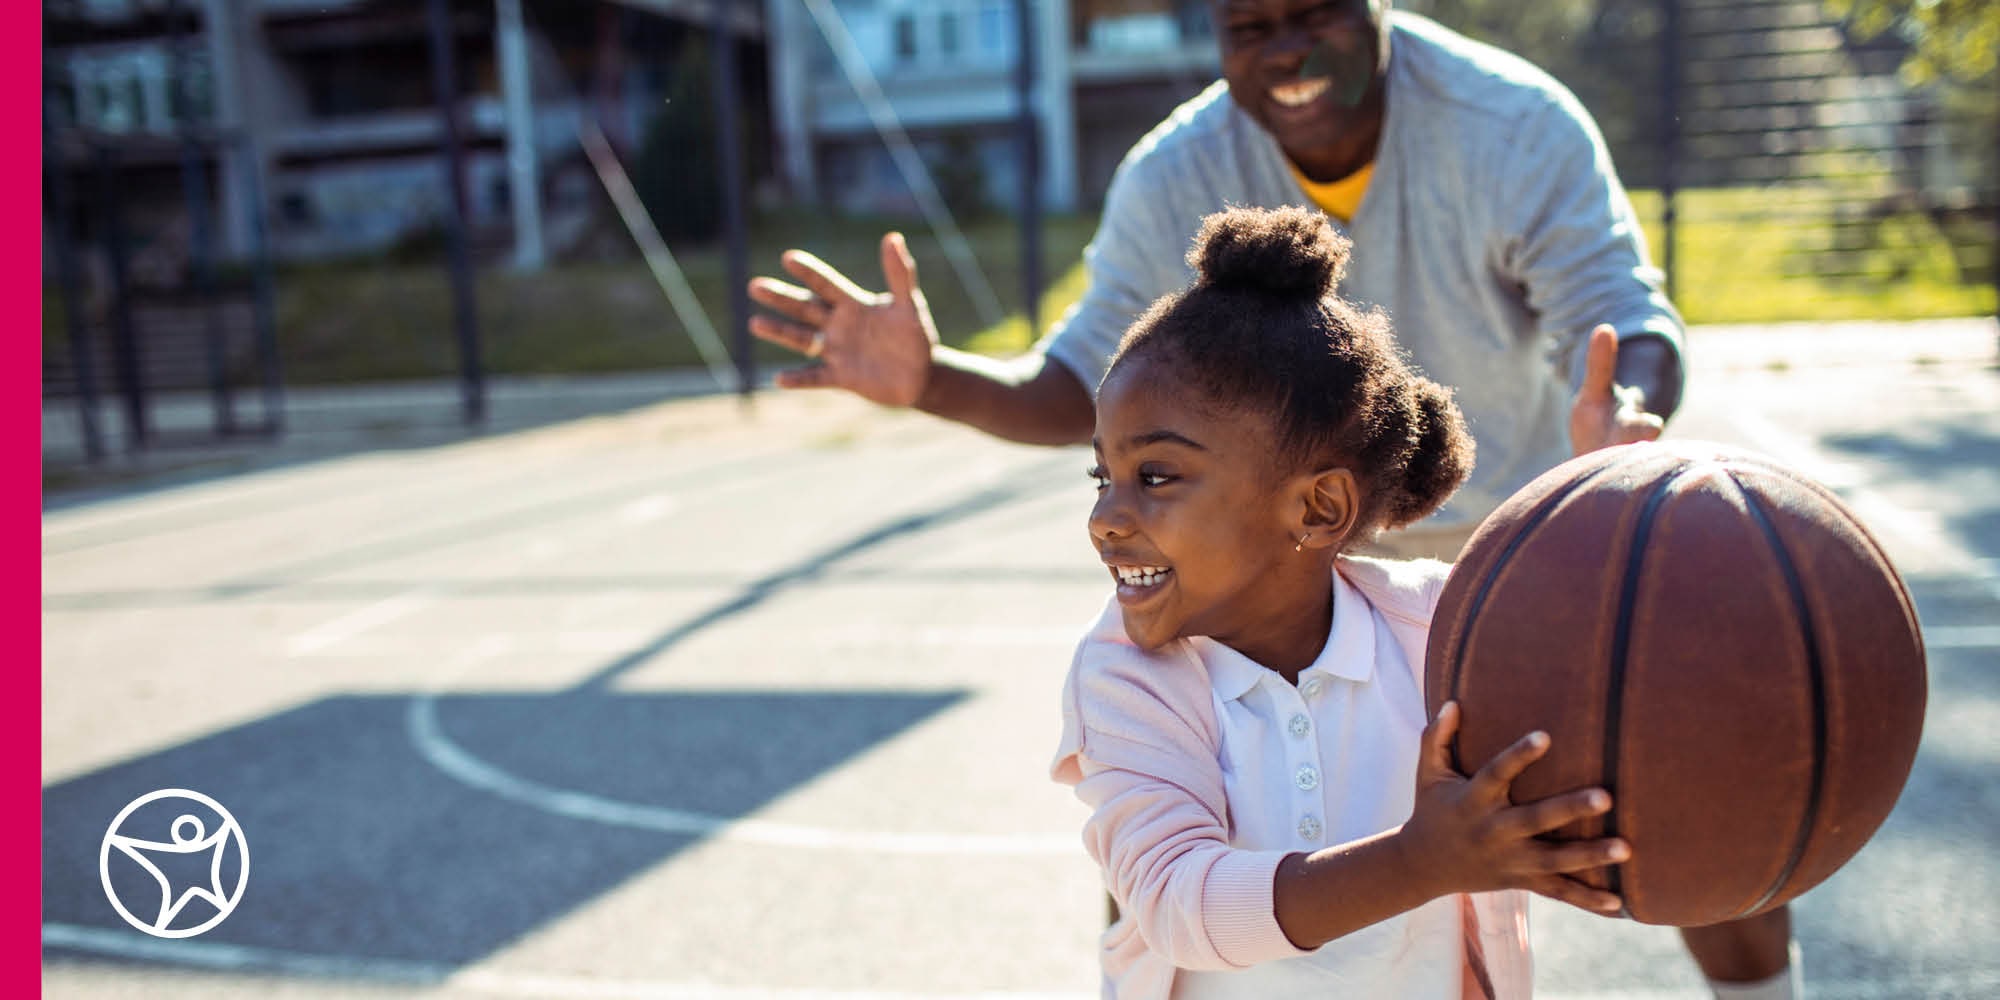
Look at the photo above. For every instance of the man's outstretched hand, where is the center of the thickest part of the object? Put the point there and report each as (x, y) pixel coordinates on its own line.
(875, 345)
(1604, 412)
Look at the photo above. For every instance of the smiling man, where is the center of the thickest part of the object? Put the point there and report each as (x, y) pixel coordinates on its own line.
(1487, 221)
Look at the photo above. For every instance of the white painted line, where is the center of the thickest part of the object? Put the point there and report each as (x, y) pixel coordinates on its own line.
(428, 736)
(647, 509)
(354, 623)
(1962, 637)
(241, 958)
(1921, 529)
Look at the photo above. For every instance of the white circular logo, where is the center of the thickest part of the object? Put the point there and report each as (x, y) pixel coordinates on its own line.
(188, 836)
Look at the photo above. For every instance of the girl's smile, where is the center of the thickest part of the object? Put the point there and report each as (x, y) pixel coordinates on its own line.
(1194, 523)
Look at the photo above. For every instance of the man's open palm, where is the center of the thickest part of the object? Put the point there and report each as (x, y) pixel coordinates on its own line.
(876, 345)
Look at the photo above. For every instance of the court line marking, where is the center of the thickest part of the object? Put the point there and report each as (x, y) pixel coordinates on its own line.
(427, 735)
(1962, 637)
(1924, 530)
(331, 633)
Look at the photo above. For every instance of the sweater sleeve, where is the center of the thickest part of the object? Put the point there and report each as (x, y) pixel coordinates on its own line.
(1136, 256)
(1574, 242)
(1140, 749)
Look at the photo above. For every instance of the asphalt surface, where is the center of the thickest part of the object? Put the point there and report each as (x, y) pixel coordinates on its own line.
(680, 701)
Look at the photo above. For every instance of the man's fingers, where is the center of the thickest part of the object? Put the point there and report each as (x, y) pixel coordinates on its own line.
(791, 300)
(820, 276)
(809, 377)
(899, 266)
(1600, 363)
(790, 335)
(1637, 426)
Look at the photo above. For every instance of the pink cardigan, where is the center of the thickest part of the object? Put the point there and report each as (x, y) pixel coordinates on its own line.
(1141, 746)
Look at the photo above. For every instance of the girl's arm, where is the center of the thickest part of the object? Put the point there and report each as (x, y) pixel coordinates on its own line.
(1465, 835)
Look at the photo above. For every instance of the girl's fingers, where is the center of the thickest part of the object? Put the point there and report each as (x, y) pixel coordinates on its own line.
(1499, 773)
(1583, 897)
(1555, 812)
(1437, 740)
(824, 281)
(1582, 855)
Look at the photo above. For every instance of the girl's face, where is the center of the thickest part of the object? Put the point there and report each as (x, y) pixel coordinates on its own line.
(1197, 526)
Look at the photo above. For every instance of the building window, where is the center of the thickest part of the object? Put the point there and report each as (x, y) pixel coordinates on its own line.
(948, 33)
(906, 38)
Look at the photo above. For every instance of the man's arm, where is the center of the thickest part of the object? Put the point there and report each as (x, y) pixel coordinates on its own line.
(1651, 367)
(1032, 399)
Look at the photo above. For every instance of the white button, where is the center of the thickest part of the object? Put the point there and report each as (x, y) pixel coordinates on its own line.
(1309, 827)
(1310, 687)
(1306, 777)
(1300, 725)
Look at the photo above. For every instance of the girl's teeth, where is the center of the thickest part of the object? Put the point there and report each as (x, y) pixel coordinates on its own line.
(1141, 576)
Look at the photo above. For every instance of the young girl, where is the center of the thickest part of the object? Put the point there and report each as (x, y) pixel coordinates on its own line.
(1246, 720)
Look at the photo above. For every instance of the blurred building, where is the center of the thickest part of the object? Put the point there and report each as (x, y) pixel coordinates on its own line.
(1107, 71)
(328, 107)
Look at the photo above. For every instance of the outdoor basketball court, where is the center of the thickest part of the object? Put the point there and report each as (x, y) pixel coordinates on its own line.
(674, 704)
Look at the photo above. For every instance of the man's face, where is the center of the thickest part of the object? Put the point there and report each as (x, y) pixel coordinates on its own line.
(1311, 72)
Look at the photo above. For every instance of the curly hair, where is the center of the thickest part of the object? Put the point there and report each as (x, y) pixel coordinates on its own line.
(1264, 329)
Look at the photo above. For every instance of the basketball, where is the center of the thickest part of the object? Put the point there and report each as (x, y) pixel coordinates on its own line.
(1712, 637)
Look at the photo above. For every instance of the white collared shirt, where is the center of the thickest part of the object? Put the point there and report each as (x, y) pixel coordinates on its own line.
(1329, 761)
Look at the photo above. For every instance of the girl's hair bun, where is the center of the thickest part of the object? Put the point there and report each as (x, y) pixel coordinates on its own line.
(1289, 251)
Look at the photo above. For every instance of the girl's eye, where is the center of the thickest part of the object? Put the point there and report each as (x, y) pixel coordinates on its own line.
(1098, 476)
(1154, 479)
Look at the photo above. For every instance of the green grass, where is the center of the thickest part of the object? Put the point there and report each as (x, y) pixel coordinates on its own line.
(1754, 256)
(1744, 256)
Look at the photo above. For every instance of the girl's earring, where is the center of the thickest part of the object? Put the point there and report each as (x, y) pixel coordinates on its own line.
(1301, 547)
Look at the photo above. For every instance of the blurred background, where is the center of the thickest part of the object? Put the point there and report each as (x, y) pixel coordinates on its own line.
(245, 197)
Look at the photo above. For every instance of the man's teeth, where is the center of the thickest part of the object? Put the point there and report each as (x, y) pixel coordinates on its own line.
(1302, 93)
(1141, 576)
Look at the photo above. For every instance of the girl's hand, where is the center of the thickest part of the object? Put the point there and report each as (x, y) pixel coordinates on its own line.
(1466, 835)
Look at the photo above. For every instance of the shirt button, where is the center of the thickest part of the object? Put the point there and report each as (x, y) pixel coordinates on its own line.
(1300, 725)
(1310, 687)
(1306, 777)
(1309, 827)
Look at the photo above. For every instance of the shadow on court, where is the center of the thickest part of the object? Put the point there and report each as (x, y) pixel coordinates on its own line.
(361, 847)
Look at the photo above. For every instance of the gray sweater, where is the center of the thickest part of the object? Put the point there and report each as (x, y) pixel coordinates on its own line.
(1494, 233)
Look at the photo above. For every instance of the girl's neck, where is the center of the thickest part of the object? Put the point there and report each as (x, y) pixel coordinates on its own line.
(1287, 638)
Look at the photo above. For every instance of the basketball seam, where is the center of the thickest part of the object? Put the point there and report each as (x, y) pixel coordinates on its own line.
(1816, 676)
(1477, 603)
(1854, 521)
(1621, 641)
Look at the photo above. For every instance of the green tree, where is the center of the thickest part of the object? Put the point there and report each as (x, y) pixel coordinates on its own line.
(1952, 40)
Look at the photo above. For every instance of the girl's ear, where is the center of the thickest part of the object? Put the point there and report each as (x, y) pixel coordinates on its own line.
(1332, 508)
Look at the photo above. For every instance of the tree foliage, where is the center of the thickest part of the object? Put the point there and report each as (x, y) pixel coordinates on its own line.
(1950, 40)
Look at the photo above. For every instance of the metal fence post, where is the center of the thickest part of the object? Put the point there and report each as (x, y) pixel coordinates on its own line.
(124, 337)
(1031, 169)
(1670, 134)
(735, 231)
(465, 319)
